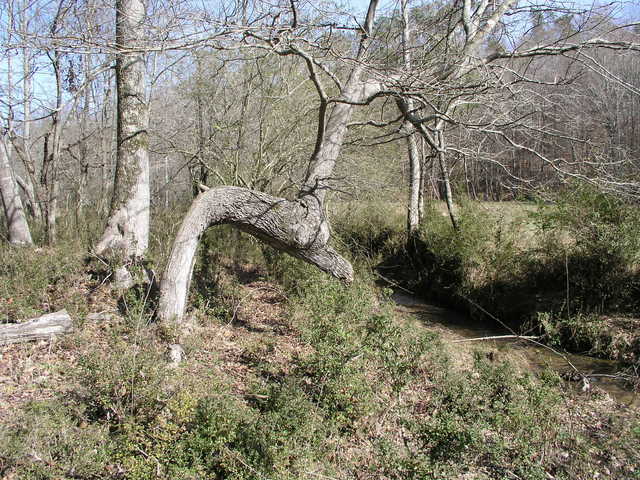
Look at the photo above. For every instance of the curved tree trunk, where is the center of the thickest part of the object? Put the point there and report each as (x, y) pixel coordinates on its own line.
(126, 236)
(17, 225)
(295, 227)
(298, 227)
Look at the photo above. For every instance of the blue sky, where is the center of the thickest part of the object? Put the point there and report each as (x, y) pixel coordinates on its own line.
(43, 83)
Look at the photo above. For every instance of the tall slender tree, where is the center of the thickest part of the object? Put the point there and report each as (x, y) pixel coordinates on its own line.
(126, 236)
(17, 225)
(415, 162)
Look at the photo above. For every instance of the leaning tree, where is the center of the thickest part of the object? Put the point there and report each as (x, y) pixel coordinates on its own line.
(298, 226)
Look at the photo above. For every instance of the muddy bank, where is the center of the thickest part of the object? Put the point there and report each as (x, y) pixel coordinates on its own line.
(582, 372)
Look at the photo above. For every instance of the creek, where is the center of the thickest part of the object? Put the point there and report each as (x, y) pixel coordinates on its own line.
(581, 371)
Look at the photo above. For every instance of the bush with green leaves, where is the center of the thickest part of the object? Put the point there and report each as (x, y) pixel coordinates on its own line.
(124, 383)
(571, 259)
(356, 345)
(488, 418)
(594, 239)
(482, 261)
(51, 440)
(37, 281)
(369, 230)
(277, 435)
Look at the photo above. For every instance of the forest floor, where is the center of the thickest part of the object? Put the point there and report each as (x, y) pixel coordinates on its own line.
(289, 375)
(261, 340)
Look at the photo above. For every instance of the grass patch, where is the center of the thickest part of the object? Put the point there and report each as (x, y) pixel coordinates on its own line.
(34, 281)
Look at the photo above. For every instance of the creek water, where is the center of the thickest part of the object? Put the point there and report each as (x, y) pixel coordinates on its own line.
(454, 326)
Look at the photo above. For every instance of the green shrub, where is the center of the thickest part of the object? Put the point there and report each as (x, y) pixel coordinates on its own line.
(290, 272)
(354, 340)
(480, 262)
(36, 281)
(51, 440)
(124, 383)
(488, 417)
(369, 230)
(355, 393)
(575, 257)
(279, 437)
(587, 333)
(597, 249)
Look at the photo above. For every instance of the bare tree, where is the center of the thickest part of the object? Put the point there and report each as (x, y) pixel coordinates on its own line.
(17, 226)
(415, 163)
(126, 236)
(14, 213)
(298, 227)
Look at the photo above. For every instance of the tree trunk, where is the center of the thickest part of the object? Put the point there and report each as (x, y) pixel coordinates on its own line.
(199, 171)
(48, 178)
(297, 227)
(413, 213)
(52, 139)
(437, 144)
(106, 145)
(27, 191)
(83, 147)
(415, 175)
(448, 195)
(17, 225)
(423, 169)
(41, 328)
(126, 236)
(33, 203)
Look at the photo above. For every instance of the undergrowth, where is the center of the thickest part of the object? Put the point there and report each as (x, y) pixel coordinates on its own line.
(572, 263)
(359, 395)
(42, 280)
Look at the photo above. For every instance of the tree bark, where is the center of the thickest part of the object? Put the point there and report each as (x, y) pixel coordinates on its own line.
(295, 227)
(413, 212)
(448, 194)
(423, 170)
(33, 204)
(17, 225)
(415, 175)
(52, 139)
(40, 328)
(27, 191)
(126, 236)
(331, 133)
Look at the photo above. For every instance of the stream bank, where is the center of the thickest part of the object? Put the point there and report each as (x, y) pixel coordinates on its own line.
(582, 372)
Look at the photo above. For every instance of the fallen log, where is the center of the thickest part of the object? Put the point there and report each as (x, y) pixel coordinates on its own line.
(40, 328)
